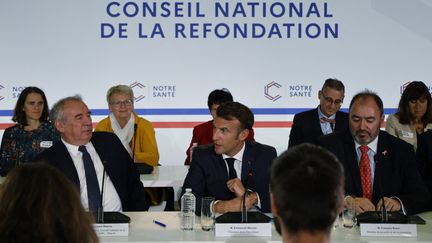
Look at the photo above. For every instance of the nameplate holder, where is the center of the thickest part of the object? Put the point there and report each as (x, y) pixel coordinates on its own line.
(242, 229)
(391, 230)
(115, 229)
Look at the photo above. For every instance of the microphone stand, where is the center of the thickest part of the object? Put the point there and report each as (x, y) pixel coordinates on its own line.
(100, 212)
(243, 208)
(384, 215)
(134, 142)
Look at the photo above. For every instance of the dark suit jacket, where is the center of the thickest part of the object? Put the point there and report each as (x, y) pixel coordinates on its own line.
(424, 160)
(118, 164)
(395, 169)
(306, 127)
(208, 173)
(203, 134)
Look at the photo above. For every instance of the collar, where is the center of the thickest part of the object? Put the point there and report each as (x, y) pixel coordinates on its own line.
(73, 149)
(320, 114)
(372, 145)
(238, 156)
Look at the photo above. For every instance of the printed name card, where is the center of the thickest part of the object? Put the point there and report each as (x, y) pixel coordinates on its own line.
(399, 230)
(242, 229)
(112, 229)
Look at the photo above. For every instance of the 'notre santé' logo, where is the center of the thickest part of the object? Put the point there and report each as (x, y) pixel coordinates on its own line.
(272, 92)
(139, 90)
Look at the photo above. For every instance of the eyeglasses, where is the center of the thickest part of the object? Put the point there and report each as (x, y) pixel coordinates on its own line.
(120, 103)
(331, 101)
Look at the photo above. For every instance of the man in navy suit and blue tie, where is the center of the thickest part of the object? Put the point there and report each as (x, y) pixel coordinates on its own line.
(309, 125)
(93, 160)
(231, 166)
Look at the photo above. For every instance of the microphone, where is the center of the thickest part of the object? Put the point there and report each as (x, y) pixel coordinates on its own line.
(384, 216)
(134, 141)
(246, 186)
(100, 212)
(103, 217)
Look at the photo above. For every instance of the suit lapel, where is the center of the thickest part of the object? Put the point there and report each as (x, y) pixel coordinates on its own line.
(352, 163)
(247, 161)
(65, 164)
(220, 165)
(381, 161)
(316, 124)
(339, 125)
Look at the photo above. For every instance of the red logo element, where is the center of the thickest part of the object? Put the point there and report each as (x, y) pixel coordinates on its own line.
(139, 91)
(270, 93)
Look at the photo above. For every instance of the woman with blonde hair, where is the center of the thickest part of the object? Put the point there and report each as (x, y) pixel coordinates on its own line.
(39, 204)
(136, 133)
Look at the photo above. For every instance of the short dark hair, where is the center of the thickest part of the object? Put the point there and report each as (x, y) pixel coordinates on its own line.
(307, 188)
(235, 110)
(218, 97)
(334, 84)
(414, 91)
(20, 116)
(39, 204)
(368, 94)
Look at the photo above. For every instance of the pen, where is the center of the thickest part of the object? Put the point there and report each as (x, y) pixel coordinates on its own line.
(159, 223)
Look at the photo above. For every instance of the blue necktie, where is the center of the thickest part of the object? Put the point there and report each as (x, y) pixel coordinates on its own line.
(93, 192)
(231, 171)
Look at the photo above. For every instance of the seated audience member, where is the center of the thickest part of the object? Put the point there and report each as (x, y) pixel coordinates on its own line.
(424, 160)
(376, 163)
(220, 169)
(306, 185)
(38, 204)
(84, 156)
(202, 133)
(32, 134)
(414, 115)
(309, 125)
(136, 133)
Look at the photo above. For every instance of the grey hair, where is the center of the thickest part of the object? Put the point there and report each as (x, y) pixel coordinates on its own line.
(119, 89)
(57, 112)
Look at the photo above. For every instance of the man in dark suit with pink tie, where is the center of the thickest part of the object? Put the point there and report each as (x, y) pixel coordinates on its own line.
(379, 168)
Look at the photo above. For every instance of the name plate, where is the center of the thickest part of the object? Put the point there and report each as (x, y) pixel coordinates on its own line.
(112, 229)
(399, 230)
(242, 229)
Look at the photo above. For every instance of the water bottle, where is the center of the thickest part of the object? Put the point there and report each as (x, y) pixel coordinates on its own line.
(188, 210)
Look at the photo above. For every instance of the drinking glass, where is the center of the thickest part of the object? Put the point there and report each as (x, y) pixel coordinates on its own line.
(207, 214)
(349, 216)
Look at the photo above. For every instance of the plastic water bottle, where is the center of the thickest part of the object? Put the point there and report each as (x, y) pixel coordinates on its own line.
(188, 210)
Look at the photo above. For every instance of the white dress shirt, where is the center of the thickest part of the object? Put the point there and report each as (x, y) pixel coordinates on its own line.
(111, 200)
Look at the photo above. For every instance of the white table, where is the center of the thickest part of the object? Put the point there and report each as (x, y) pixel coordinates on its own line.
(142, 229)
(166, 176)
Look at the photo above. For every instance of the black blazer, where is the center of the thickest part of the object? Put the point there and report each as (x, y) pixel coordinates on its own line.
(306, 127)
(118, 164)
(424, 159)
(395, 170)
(208, 173)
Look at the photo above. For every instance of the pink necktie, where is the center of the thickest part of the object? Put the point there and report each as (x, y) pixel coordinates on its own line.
(365, 172)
